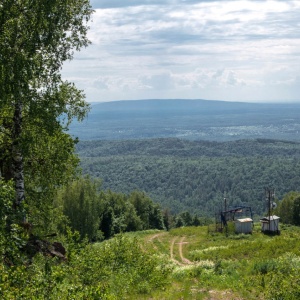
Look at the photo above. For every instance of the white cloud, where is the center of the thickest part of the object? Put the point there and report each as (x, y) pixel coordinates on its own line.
(196, 49)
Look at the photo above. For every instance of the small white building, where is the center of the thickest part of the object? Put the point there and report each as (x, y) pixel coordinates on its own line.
(270, 224)
(243, 225)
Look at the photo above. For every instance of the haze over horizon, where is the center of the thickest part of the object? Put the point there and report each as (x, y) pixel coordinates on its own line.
(244, 51)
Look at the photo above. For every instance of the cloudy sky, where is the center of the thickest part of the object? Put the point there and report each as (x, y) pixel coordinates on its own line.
(166, 49)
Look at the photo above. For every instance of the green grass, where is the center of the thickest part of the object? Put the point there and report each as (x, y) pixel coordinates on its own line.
(185, 263)
(233, 267)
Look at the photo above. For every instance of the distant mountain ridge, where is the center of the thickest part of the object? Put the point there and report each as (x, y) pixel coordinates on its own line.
(191, 119)
(171, 105)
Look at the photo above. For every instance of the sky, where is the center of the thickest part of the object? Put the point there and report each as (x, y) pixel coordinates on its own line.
(188, 49)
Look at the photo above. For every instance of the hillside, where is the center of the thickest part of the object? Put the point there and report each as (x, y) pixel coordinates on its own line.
(195, 175)
(209, 265)
(189, 119)
(191, 263)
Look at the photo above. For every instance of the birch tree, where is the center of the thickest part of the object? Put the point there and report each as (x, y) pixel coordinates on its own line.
(36, 104)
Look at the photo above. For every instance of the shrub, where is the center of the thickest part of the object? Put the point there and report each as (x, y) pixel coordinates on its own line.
(264, 267)
(284, 282)
(115, 269)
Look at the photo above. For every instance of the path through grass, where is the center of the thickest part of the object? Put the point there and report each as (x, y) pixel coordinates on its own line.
(213, 266)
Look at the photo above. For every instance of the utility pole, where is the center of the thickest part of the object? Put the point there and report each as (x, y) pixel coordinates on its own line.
(270, 194)
(225, 213)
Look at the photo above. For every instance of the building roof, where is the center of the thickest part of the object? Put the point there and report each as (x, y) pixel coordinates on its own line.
(245, 220)
(271, 218)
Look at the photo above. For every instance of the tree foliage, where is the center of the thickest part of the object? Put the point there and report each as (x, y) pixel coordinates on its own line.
(97, 214)
(37, 105)
(289, 209)
(147, 211)
(11, 241)
(79, 202)
(194, 176)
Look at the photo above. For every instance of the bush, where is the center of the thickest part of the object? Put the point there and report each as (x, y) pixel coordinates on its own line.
(115, 269)
(284, 282)
(264, 267)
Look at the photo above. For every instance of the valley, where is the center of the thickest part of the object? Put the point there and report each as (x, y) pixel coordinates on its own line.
(195, 176)
(189, 119)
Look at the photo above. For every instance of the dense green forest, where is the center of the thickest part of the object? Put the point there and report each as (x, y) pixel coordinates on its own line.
(195, 176)
(99, 215)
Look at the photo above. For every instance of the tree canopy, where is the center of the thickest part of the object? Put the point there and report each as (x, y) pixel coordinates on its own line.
(289, 208)
(194, 176)
(98, 214)
(37, 105)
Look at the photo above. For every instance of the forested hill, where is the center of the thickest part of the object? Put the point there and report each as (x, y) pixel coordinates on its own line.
(195, 175)
(190, 119)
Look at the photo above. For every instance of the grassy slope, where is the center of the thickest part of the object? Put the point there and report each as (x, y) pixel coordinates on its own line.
(185, 263)
(209, 265)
